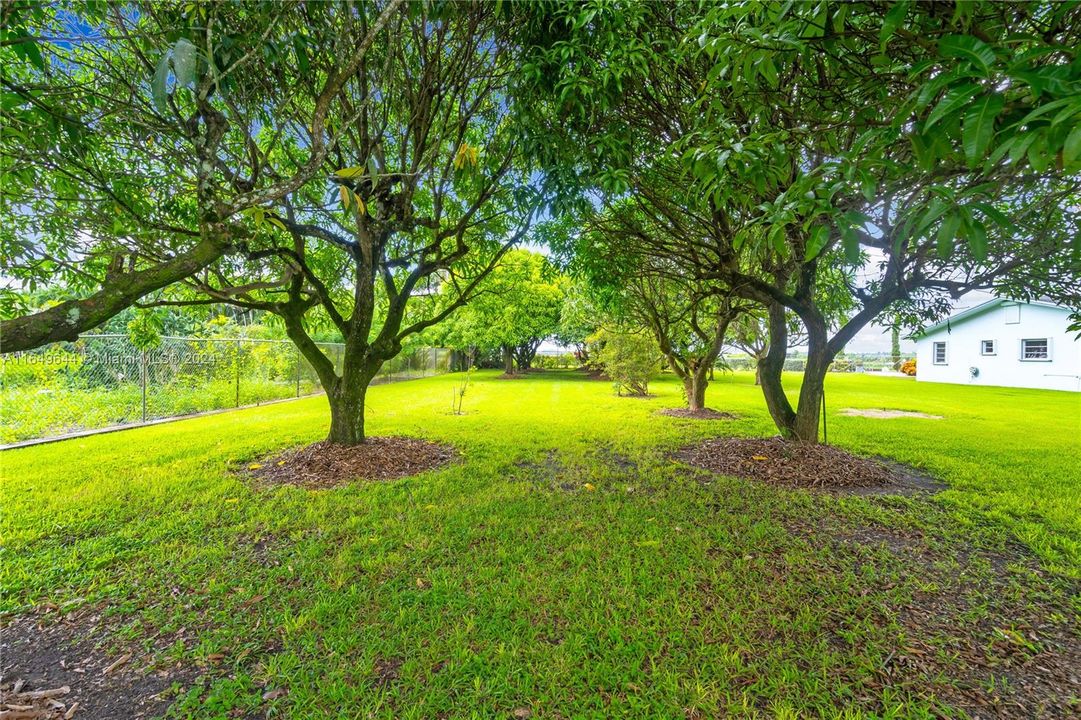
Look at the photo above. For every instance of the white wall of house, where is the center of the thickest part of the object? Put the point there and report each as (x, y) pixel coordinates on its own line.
(1012, 330)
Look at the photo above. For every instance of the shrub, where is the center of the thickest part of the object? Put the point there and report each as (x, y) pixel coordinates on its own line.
(630, 359)
(908, 367)
(842, 365)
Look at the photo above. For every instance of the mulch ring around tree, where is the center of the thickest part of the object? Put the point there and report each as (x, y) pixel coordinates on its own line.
(325, 465)
(816, 467)
(703, 414)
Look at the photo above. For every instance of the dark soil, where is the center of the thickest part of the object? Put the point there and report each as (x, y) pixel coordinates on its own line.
(703, 414)
(71, 666)
(986, 630)
(324, 465)
(820, 467)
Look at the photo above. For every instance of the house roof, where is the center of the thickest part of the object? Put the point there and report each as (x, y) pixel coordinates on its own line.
(980, 309)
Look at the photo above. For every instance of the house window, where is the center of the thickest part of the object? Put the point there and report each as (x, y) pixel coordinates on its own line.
(1036, 349)
(939, 353)
(987, 347)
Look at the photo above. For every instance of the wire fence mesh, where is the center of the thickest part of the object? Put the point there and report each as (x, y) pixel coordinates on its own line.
(103, 380)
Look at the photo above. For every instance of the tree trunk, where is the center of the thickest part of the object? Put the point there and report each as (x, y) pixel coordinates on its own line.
(694, 386)
(808, 410)
(770, 366)
(347, 415)
(758, 372)
(799, 424)
(508, 360)
(346, 399)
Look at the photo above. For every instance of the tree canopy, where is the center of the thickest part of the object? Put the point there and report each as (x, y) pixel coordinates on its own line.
(367, 168)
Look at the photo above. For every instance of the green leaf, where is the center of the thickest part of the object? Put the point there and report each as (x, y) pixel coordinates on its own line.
(851, 243)
(923, 151)
(979, 127)
(820, 235)
(1038, 155)
(967, 47)
(893, 20)
(26, 47)
(1071, 149)
(184, 55)
(157, 85)
(977, 239)
(947, 231)
(953, 100)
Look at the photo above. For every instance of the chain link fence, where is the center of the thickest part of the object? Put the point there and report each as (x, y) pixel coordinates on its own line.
(103, 380)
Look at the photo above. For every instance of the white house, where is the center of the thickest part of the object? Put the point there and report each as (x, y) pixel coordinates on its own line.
(1002, 342)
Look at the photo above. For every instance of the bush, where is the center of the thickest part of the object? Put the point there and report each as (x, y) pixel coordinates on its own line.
(843, 365)
(908, 367)
(630, 359)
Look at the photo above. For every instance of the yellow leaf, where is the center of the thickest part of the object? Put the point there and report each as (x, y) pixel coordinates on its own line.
(281, 462)
(345, 193)
(467, 154)
(759, 457)
(350, 172)
(360, 204)
(255, 466)
(589, 486)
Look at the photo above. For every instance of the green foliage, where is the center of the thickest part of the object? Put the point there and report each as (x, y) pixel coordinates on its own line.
(520, 301)
(144, 330)
(630, 359)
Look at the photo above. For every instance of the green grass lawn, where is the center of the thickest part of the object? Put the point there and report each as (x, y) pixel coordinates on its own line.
(501, 583)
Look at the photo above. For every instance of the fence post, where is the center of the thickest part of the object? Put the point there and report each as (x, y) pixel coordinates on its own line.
(298, 370)
(236, 362)
(142, 379)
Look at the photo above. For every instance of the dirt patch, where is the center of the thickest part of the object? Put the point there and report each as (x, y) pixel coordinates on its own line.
(511, 376)
(324, 465)
(703, 414)
(820, 467)
(71, 666)
(884, 414)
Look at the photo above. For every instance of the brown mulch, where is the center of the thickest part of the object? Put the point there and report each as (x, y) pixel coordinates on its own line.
(703, 414)
(71, 666)
(821, 467)
(324, 465)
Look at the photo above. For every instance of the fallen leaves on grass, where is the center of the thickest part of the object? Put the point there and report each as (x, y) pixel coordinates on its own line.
(778, 462)
(324, 464)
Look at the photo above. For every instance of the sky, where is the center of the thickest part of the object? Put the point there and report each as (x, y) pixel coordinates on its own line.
(875, 338)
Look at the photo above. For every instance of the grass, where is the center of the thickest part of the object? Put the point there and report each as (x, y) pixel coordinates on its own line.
(502, 582)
